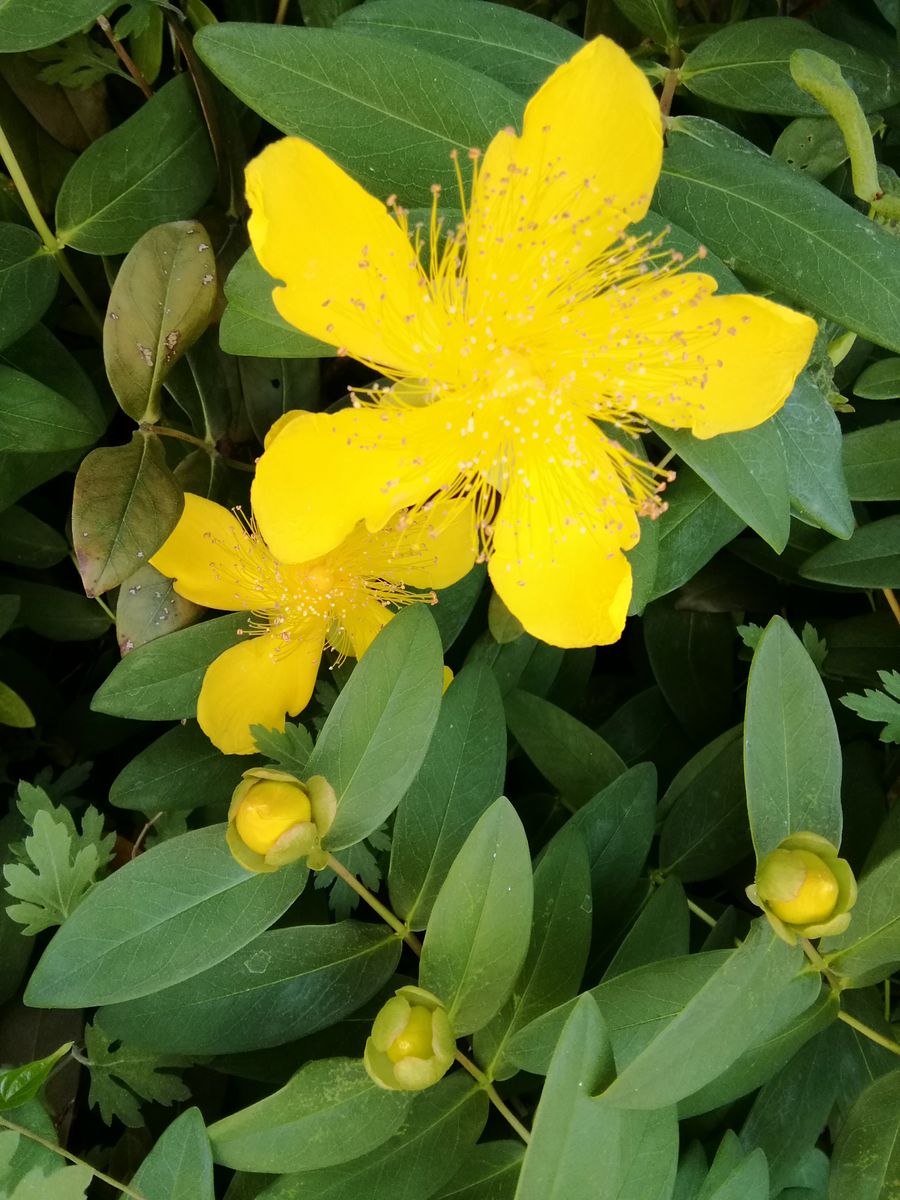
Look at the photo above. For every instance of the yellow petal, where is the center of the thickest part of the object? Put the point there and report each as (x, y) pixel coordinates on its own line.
(433, 548)
(557, 563)
(327, 471)
(257, 682)
(363, 622)
(689, 359)
(205, 555)
(549, 202)
(350, 275)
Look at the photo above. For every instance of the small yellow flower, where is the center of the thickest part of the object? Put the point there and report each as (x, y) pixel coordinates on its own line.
(804, 889)
(339, 600)
(412, 1044)
(536, 340)
(274, 819)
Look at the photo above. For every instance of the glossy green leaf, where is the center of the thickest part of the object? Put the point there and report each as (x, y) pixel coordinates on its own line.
(872, 462)
(25, 25)
(180, 1165)
(367, 749)
(285, 984)
(480, 925)
(156, 166)
(390, 116)
(656, 18)
(869, 949)
(18, 1085)
(515, 48)
(125, 504)
(866, 1162)
(328, 1113)
(165, 916)
(33, 418)
(461, 776)
(180, 770)
(28, 278)
(747, 66)
(870, 559)
(557, 953)
(704, 829)
(695, 526)
(251, 324)
(577, 761)
(879, 381)
(490, 1172)
(792, 756)
(161, 302)
(781, 230)
(811, 436)
(441, 1126)
(161, 681)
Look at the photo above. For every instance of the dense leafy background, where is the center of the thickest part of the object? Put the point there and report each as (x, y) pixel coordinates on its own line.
(572, 830)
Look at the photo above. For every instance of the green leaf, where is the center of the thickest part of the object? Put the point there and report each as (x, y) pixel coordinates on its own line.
(156, 166)
(704, 830)
(735, 1175)
(180, 770)
(880, 706)
(722, 1020)
(870, 559)
(125, 504)
(283, 985)
(461, 775)
(658, 19)
(161, 302)
(288, 749)
(33, 418)
(792, 756)
(28, 542)
(18, 1085)
(180, 1165)
(557, 953)
(58, 1183)
(577, 761)
(163, 917)
(811, 436)
(695, 526)
(480, 925)
(748, 470)
(148, 607)
(879, 381)
(56, 613)
(328, 1113)
(251, 324)
(366, 750)
(869, 949)
(872, 462)
(121, 1075)
(441, 1127)
(490, 1171)
(390, 116)
(781, 230)
(26, 26)
(866, 1161)
(515, 48)
(14, 712)
(661, 930)
(59, 864)
(691, 656)
(28, 279)
(640, 1149)
(747, 66)
(161, 681)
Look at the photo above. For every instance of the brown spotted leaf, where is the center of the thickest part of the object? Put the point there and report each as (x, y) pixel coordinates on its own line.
(161, 302)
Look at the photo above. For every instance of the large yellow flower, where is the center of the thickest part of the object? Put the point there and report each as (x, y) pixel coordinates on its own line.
(337, 599)
(526, 352)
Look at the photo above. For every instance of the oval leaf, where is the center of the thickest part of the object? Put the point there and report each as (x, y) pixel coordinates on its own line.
(870, 559)
(28, 279)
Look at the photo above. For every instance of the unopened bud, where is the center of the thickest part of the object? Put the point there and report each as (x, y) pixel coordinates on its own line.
(275, 819)
(804, 889)
(412, 1044)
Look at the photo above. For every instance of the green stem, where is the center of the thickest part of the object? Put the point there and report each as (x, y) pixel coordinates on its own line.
(51, 242)
(702, 914)
(375, 904)
(493, 1095)
(165, 431)
(869, 1032)
(73, 1158)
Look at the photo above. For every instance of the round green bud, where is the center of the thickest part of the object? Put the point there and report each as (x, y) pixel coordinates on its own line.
(411, 1046)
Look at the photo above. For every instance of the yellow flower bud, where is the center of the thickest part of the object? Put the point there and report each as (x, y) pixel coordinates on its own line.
(268, 810)
(412, 1044)
(804, 889)
(275, 819)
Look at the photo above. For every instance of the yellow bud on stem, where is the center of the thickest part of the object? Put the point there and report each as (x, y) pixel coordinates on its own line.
(268, 810)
